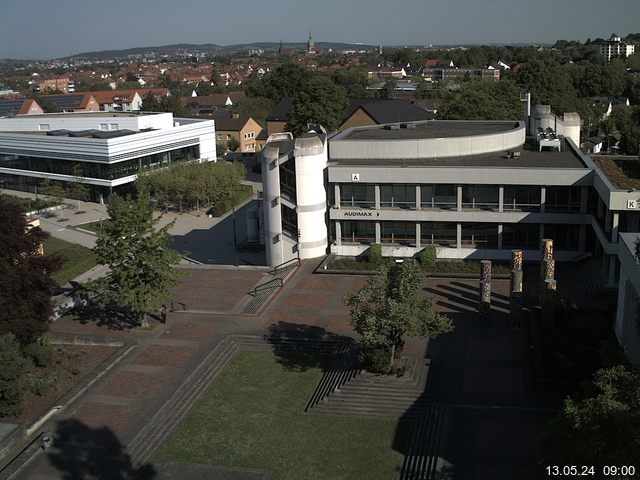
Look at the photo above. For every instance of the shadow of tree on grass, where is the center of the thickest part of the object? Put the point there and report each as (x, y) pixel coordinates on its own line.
(80, 451)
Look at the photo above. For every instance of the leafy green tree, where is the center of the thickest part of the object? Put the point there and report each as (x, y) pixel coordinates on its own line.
(388, 90)
(55, 192)
(602, 429)
(141, 266)
(550, 84)
(255, 107)
(77, 188)
(233, 144)
(25, 276)
(12, 376)
(482, 100)
(392, 305)
(354, 80)
(284, 81)
(320, 101)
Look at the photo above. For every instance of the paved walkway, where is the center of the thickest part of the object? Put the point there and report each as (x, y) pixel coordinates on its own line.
(493, 413)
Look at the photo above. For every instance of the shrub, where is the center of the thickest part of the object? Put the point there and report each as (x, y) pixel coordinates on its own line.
(41, 355)
(375, 254)
(374, 359)
(428, 258)
(12, 367)
(40, 386)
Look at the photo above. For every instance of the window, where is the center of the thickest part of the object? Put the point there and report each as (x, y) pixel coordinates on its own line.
(524, 236)
(357, 195)
(445, 234)
(398, 196)
(44, 127)
(522, 198)
(113, 126)
(483, 197)
(228, 137)
(358, 232)
(439, 196)
(403, 233)
(219, 136)
(479, 235)
(104, 126)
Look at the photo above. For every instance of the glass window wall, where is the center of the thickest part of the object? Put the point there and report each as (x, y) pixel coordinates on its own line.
(480, 197)
(522, 198)
(357, 195)
(525, 236)
(562, 199)
(398, 196)
(358, 232)
(480, 235)
(399, 233)
(436, 233)
(442, 197)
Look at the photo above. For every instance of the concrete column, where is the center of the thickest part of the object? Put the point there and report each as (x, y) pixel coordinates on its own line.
(500, 236)
(376, 195)
(418, 198)
(459, 195)
(336, 190)
(501, 198)
(541, 231)
(377, 232)
(418, 235)
(615, 220)
(584, 198)
(582, 237)
(611, 282)
(607, 221)
(543, 198)
(274, 245)
(605, 257)
(338, 233)
(459, 235)
(600, 205)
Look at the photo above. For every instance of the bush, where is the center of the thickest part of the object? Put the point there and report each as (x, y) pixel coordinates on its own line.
(41, 355)
(40, 386)
(375, 254)
(428, 258)
(374, 359)
(12, 368)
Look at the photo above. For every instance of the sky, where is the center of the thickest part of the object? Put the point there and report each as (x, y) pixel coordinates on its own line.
(45, 29)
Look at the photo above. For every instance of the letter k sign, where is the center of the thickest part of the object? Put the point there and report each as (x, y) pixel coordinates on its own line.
(632, 203)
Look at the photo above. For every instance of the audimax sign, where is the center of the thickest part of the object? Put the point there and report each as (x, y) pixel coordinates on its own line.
(360, 214)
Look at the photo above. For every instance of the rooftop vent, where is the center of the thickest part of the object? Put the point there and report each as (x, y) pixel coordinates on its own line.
(392, 126)
(407, 125)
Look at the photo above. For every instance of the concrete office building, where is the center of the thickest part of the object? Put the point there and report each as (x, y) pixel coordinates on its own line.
(110, 148)
(472, 189)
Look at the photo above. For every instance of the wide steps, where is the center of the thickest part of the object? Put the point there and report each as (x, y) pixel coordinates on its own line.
(168, 416)
(423, 458)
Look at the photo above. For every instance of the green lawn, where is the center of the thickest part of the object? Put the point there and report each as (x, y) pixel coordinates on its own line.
(78, 259)
(253, 417)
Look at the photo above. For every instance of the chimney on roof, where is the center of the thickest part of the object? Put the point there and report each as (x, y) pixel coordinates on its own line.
(235, 115)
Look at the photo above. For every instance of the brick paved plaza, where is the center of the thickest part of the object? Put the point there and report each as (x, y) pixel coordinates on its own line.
(483, 374)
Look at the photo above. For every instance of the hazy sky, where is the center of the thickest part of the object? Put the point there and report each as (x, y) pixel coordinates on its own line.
(50, 29)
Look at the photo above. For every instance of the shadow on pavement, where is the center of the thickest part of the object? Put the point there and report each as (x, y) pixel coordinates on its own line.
(80, 451)
(111, 319)
(300, 347)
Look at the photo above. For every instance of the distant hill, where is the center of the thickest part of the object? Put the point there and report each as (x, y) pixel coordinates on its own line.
(211, 48)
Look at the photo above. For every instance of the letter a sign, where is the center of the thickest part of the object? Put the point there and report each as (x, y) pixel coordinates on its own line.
(355, 177)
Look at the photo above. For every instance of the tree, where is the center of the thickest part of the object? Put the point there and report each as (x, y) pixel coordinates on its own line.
(388, 90)
(255, 107)
(233, 144)
(284, 81)
(482, 100)
(602, 429)
(25, 276)
(320, 101)
(12, 378)
(354, 80)
(77, 187)
(141, 272)
(55, 192)
(392, 305)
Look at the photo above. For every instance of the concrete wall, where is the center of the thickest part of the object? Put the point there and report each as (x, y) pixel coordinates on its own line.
(82, 121)
(626, 324)
(429, 147)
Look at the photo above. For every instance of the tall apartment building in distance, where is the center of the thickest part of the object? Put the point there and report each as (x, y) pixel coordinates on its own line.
(615, 47)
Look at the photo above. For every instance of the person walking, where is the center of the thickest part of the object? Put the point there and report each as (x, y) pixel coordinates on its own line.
(163, 313)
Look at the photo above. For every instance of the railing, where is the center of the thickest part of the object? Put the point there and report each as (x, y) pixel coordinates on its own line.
(273, 283)
(395, 204)
(286, 264)
(433, 204)
(355, 239)
(521, 207)
(473, 205)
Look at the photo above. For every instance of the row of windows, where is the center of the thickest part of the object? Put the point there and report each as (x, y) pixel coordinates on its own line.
(99, 170)
(249, 135)
(473, 235)
(481, 197)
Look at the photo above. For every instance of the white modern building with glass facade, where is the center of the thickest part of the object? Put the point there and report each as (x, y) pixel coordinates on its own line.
(109, 149)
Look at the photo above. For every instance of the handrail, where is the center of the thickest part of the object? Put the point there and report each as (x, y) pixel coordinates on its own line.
(265, 285)
(283, 265)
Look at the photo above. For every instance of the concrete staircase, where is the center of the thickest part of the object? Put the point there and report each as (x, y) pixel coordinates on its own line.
(423, 458)
(369, 395)
(343, 367)
(263, 292)
(168, 416)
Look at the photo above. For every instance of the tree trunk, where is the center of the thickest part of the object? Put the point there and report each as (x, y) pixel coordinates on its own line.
(144, 320)
(393, 354)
